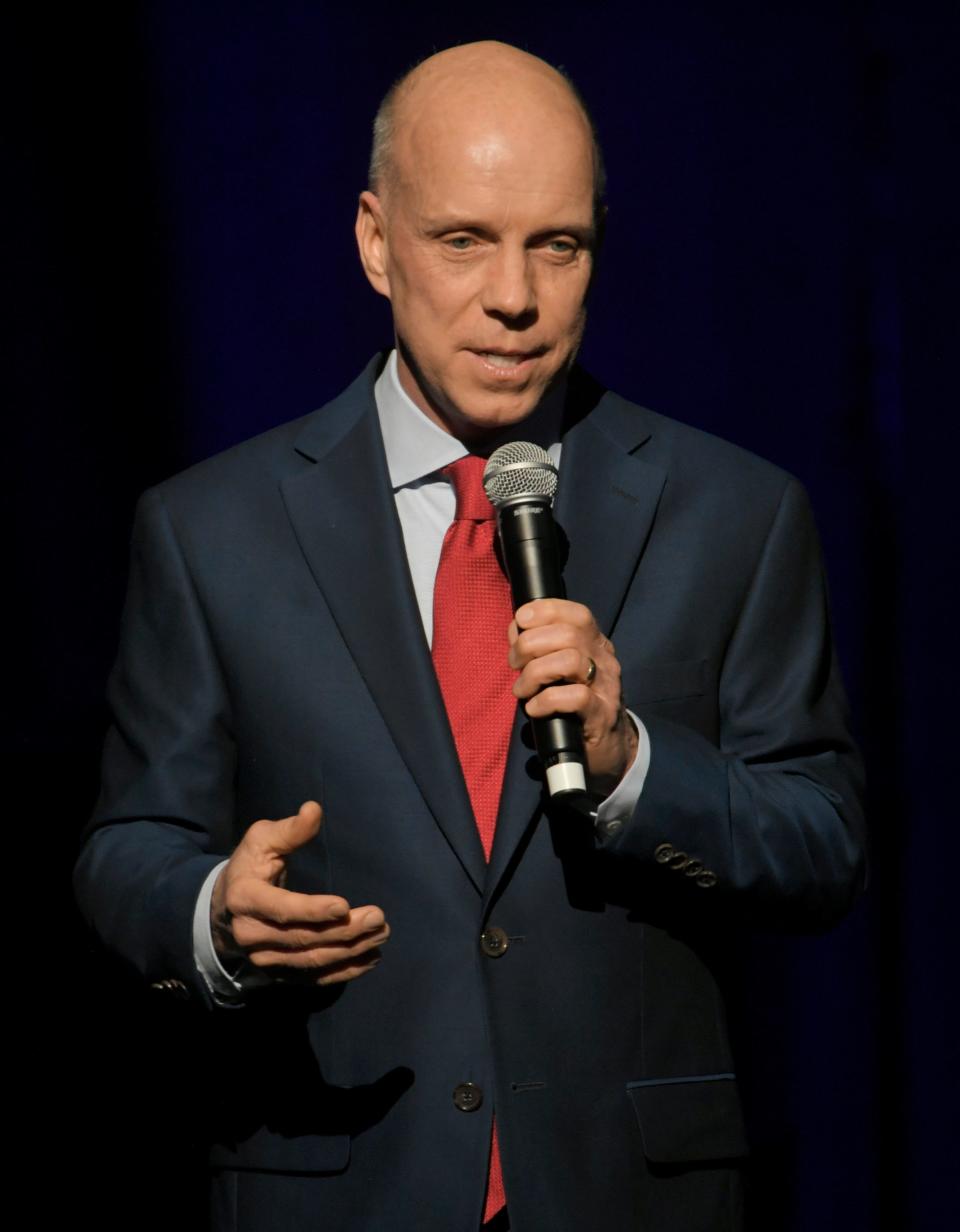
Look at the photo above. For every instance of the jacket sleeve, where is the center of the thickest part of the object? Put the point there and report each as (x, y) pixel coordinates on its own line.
(771, 818)
(165, 814)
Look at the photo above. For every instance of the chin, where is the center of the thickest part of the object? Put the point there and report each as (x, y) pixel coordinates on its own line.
(497, 414)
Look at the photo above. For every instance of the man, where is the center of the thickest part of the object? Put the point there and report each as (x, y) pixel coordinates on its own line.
(423, 1007)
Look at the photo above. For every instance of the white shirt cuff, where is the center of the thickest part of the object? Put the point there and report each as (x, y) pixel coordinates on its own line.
(224, 989)
(618, 807)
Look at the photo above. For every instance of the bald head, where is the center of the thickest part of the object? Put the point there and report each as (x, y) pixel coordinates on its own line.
(480, 88)
(482, 229)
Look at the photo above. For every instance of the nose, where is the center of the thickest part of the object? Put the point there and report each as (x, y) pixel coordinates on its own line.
(508, 290)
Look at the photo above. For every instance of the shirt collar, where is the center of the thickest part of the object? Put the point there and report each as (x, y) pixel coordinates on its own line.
(416, 447)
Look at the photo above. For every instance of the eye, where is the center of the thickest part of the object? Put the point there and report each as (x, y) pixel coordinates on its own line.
(460, 243)
(562, 248)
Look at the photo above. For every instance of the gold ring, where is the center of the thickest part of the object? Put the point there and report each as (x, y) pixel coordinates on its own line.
(591, 671)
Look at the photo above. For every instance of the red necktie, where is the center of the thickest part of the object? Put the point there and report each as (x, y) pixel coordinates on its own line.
(472, 608)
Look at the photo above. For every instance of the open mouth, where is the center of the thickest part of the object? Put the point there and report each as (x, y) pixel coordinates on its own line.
(507, 363)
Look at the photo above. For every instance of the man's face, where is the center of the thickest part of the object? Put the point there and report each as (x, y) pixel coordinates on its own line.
(483, 243)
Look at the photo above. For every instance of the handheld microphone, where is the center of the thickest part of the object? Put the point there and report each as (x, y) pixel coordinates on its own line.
(520, 481)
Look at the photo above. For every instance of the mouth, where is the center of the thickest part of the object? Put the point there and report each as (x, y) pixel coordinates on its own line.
(504, 363)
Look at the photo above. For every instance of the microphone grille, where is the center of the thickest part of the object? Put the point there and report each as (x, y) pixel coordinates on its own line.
(519, 468)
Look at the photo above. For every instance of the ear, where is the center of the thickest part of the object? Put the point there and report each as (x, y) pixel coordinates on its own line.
(372, 241)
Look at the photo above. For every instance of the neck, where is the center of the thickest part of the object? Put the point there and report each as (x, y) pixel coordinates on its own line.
(541, 425)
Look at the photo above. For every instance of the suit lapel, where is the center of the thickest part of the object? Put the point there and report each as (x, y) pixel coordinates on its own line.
(344, 517)
(605, 505)
(605, 508)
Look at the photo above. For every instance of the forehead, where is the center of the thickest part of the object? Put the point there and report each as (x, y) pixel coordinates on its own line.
(472, 151)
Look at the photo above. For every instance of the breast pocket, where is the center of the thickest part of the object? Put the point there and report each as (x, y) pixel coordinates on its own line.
(684, 1120)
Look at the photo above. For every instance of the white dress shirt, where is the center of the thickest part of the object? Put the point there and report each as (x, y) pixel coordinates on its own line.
(416, 451)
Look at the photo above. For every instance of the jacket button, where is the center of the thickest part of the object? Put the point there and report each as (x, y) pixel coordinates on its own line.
(611, 827)
(693, 869)
(467, 1096)
(494, 942)
(707, 879)
(679, 861)
(664, 853)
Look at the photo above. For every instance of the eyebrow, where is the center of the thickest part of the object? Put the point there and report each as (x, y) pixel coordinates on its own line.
(441, 225)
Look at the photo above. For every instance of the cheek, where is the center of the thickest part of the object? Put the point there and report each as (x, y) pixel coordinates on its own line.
(431, 308)
(576, 323)
(562, 299)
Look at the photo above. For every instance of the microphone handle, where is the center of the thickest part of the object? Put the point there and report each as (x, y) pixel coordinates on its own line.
(528, 541)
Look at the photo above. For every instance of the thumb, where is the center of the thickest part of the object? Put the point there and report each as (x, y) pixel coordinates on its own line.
(289, 833)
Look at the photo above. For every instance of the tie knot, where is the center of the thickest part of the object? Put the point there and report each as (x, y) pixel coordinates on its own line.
(466, 475)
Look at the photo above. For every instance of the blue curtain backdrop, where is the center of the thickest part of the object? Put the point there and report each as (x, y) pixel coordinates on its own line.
(781, 269)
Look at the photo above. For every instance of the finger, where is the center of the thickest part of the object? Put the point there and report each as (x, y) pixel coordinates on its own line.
(252, 933)
(281, 837)
(566, 666)
(249, 896)
(564, 699)
(350, 970)
(302, 942)
(314, 958)
(337, 973)
(554, 611)
(543, 640)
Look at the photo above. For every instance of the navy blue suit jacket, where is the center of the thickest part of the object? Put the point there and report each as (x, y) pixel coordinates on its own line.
(272, 652)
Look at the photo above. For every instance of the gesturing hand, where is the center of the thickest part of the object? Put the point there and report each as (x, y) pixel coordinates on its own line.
(553, 647)
(319, 936)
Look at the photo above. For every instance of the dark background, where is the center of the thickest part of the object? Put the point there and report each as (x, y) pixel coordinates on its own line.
(781, 268)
